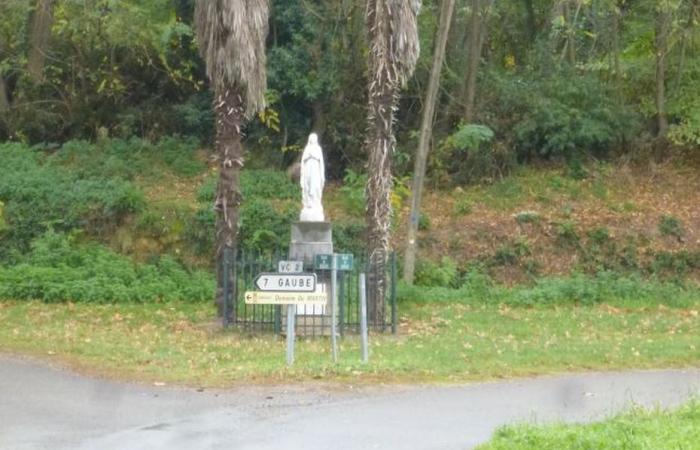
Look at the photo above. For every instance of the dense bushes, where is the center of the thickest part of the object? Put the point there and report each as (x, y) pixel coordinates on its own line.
(40, 196)
(269, 208)
(57, 269)
(560, 114)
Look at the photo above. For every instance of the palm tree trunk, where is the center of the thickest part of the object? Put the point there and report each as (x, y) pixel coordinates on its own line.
(383, 101)
(229, 111)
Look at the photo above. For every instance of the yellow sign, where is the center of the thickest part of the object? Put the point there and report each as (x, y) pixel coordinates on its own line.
(285, 298)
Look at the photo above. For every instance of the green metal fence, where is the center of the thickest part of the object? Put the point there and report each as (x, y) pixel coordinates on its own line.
(310, 322)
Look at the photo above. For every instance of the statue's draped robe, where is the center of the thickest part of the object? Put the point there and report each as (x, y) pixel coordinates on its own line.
(312, 180)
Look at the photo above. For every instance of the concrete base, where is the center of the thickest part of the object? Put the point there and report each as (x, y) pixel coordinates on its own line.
(310, 239)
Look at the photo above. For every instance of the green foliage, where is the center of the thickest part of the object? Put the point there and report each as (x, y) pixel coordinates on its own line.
(350, 237)
(424, 221)
(41, 196)
(670, 226)
(57, 269)
(470, 137)
(443, 274)
(255, 184)
(130, 158)
(524, 217)
(468, 155)
(511, 253)
(635, 429)
(562, 114)
(463, 206)
(265, 215)
(352, 192)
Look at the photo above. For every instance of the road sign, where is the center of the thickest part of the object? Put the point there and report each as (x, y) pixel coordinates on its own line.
(290, 266)
(286, 282)
(343, 261)
(285, 298)
(322, 262)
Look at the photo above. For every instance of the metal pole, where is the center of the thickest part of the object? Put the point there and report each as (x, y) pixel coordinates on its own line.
(363, 318)
(334, 300)
(291, 313)
(225, 270)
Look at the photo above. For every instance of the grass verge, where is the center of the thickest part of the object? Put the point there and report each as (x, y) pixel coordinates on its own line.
(637, 429)
(437, 342)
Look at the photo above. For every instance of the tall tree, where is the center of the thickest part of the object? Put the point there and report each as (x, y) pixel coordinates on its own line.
(231, 36)
(40, 31)
(426, 131)
(663, 30)
(393, 53)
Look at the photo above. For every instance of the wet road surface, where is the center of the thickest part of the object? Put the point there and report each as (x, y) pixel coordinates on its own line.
(48, 408)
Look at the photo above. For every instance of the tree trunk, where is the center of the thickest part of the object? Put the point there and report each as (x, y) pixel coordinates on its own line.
(40, 32)
(426, 131)
(474, 57)
(229, 113)
(531, 20)
(663, 23)
(4, 100)
(382, 102)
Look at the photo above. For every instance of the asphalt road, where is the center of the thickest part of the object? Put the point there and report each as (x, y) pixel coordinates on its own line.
(48, 408)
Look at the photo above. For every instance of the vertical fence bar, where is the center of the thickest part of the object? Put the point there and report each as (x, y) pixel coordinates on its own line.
(393, 294)
(363, 319)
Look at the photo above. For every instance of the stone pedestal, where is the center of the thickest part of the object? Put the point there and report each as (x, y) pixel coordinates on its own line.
(308, 240)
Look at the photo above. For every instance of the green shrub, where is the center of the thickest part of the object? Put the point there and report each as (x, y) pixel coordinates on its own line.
(524, 217)
(604, 287)
(57, 269)
(41, 196)
(560, 114)
(255, 184)
(463, 206)
(352, 193)
(429, 273)
(350, 237)
(670, 226)
(129, 158)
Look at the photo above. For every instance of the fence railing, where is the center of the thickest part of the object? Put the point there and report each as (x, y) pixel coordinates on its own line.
(310, 321)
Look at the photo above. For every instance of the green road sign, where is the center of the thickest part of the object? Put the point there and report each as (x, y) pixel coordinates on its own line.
(322, 262)
(343, 261)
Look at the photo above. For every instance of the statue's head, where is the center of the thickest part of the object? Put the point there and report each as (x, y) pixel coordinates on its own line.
(313, 139)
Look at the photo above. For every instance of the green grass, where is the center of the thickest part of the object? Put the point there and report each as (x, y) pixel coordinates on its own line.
(638, 429)
(437, 342)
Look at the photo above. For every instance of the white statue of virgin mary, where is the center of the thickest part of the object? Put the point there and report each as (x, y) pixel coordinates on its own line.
(312, 179)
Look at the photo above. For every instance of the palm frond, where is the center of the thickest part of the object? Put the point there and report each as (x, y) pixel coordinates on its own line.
(231, 35)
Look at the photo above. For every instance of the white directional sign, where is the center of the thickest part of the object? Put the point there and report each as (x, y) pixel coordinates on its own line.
(286, 282)
(285, 298)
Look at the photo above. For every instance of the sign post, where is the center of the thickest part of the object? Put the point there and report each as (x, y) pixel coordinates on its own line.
(291, 313)
(363, 319)
(334, 313)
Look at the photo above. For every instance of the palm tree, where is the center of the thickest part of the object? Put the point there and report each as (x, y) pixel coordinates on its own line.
(394, 48)
(231, 36)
